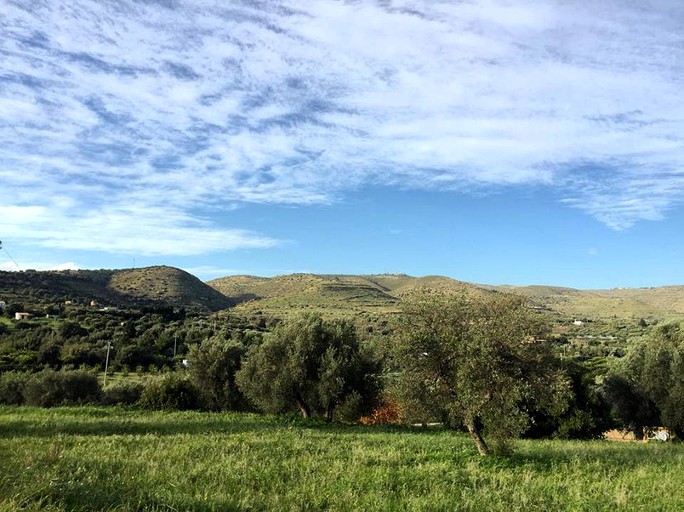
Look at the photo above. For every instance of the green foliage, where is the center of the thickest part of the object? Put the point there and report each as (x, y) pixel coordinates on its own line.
(309, 363)
(213, 365)
(69, 330)
(51, 388)
(472, 359)
(587, 415)
(655, 364)
(12, 385)
(122, 393)
(170, 391)
(629, 406)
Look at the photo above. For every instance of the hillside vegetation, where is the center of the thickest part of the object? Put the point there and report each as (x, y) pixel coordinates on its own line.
(281, 295)
(330, 294)
(124, 288)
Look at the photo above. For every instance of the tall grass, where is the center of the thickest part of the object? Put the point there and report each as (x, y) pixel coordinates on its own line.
(94, 458)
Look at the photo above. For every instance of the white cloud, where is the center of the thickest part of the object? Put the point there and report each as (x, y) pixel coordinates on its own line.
(119, 120)
(10, 266)
(133, 229)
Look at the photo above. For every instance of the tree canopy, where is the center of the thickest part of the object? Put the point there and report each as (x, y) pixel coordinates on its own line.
(213, 364)
(310, 363)
(475, 360)
(655, 367)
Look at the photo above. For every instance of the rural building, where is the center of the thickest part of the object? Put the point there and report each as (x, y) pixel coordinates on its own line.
(3, 306)
(21, 316)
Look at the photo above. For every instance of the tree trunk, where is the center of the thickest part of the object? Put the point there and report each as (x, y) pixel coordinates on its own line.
(329, 413)
(477, 438)
(638, 433)
(303, 407)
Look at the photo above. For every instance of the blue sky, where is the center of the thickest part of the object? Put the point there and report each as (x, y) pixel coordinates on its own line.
(494, 141)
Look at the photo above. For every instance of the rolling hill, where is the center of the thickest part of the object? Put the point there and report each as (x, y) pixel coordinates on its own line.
(331, 294)
(138, 287)
(281, 295)
(383, 293)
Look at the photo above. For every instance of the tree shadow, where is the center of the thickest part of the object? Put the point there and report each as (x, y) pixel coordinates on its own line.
(107, 421)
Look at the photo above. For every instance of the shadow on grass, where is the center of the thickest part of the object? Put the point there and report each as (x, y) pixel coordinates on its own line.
(26, 428)
(546, 456)
(16, 422)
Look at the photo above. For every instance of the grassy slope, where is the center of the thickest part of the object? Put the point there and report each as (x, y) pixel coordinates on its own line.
(618, 302)
(287, 294)
(331, 294)
(382, 293)
(116, 459)
(169, 285)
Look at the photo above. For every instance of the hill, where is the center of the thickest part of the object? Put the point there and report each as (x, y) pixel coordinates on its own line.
(383, 294)
(332, 294)
(660, 302)
(159, 285)
(295, 292)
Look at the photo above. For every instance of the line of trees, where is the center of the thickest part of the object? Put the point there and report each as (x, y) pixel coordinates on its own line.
(472, 360)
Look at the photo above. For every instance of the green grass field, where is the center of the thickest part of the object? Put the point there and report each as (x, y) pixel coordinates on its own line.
(96, 458)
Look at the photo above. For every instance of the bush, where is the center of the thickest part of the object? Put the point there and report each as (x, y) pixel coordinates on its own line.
(388, 413)
(124, 393)
(170, 391)
(12, 386)
(51, 388)
(213, 365)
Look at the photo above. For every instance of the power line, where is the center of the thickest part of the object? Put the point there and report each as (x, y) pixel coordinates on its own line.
(2, 247)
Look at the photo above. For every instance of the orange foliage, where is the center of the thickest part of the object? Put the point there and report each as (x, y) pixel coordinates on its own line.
(388, 413)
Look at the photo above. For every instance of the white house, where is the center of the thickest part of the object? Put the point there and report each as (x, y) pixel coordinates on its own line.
(21, 316)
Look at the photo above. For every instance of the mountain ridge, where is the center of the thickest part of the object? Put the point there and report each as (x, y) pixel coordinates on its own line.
(383, 291)
(333, 293)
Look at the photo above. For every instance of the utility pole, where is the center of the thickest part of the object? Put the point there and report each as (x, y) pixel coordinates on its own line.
(109, 346)
(175, 339)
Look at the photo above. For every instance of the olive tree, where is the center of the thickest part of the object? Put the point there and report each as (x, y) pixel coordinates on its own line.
(654, 366)
(213, 365)
(308, 363)
(474, 359)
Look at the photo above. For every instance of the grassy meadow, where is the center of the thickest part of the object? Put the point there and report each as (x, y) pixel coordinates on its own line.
(97, 458)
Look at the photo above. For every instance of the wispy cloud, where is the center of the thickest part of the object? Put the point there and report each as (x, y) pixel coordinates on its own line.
(121, 121)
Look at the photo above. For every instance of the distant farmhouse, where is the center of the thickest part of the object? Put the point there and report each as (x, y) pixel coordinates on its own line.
(21, 315)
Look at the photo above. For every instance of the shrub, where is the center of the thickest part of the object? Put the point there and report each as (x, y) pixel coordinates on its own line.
(12, 386)
(388, 413)
(51, 388)
(170, 391)
(124, 393)
(213, 365)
